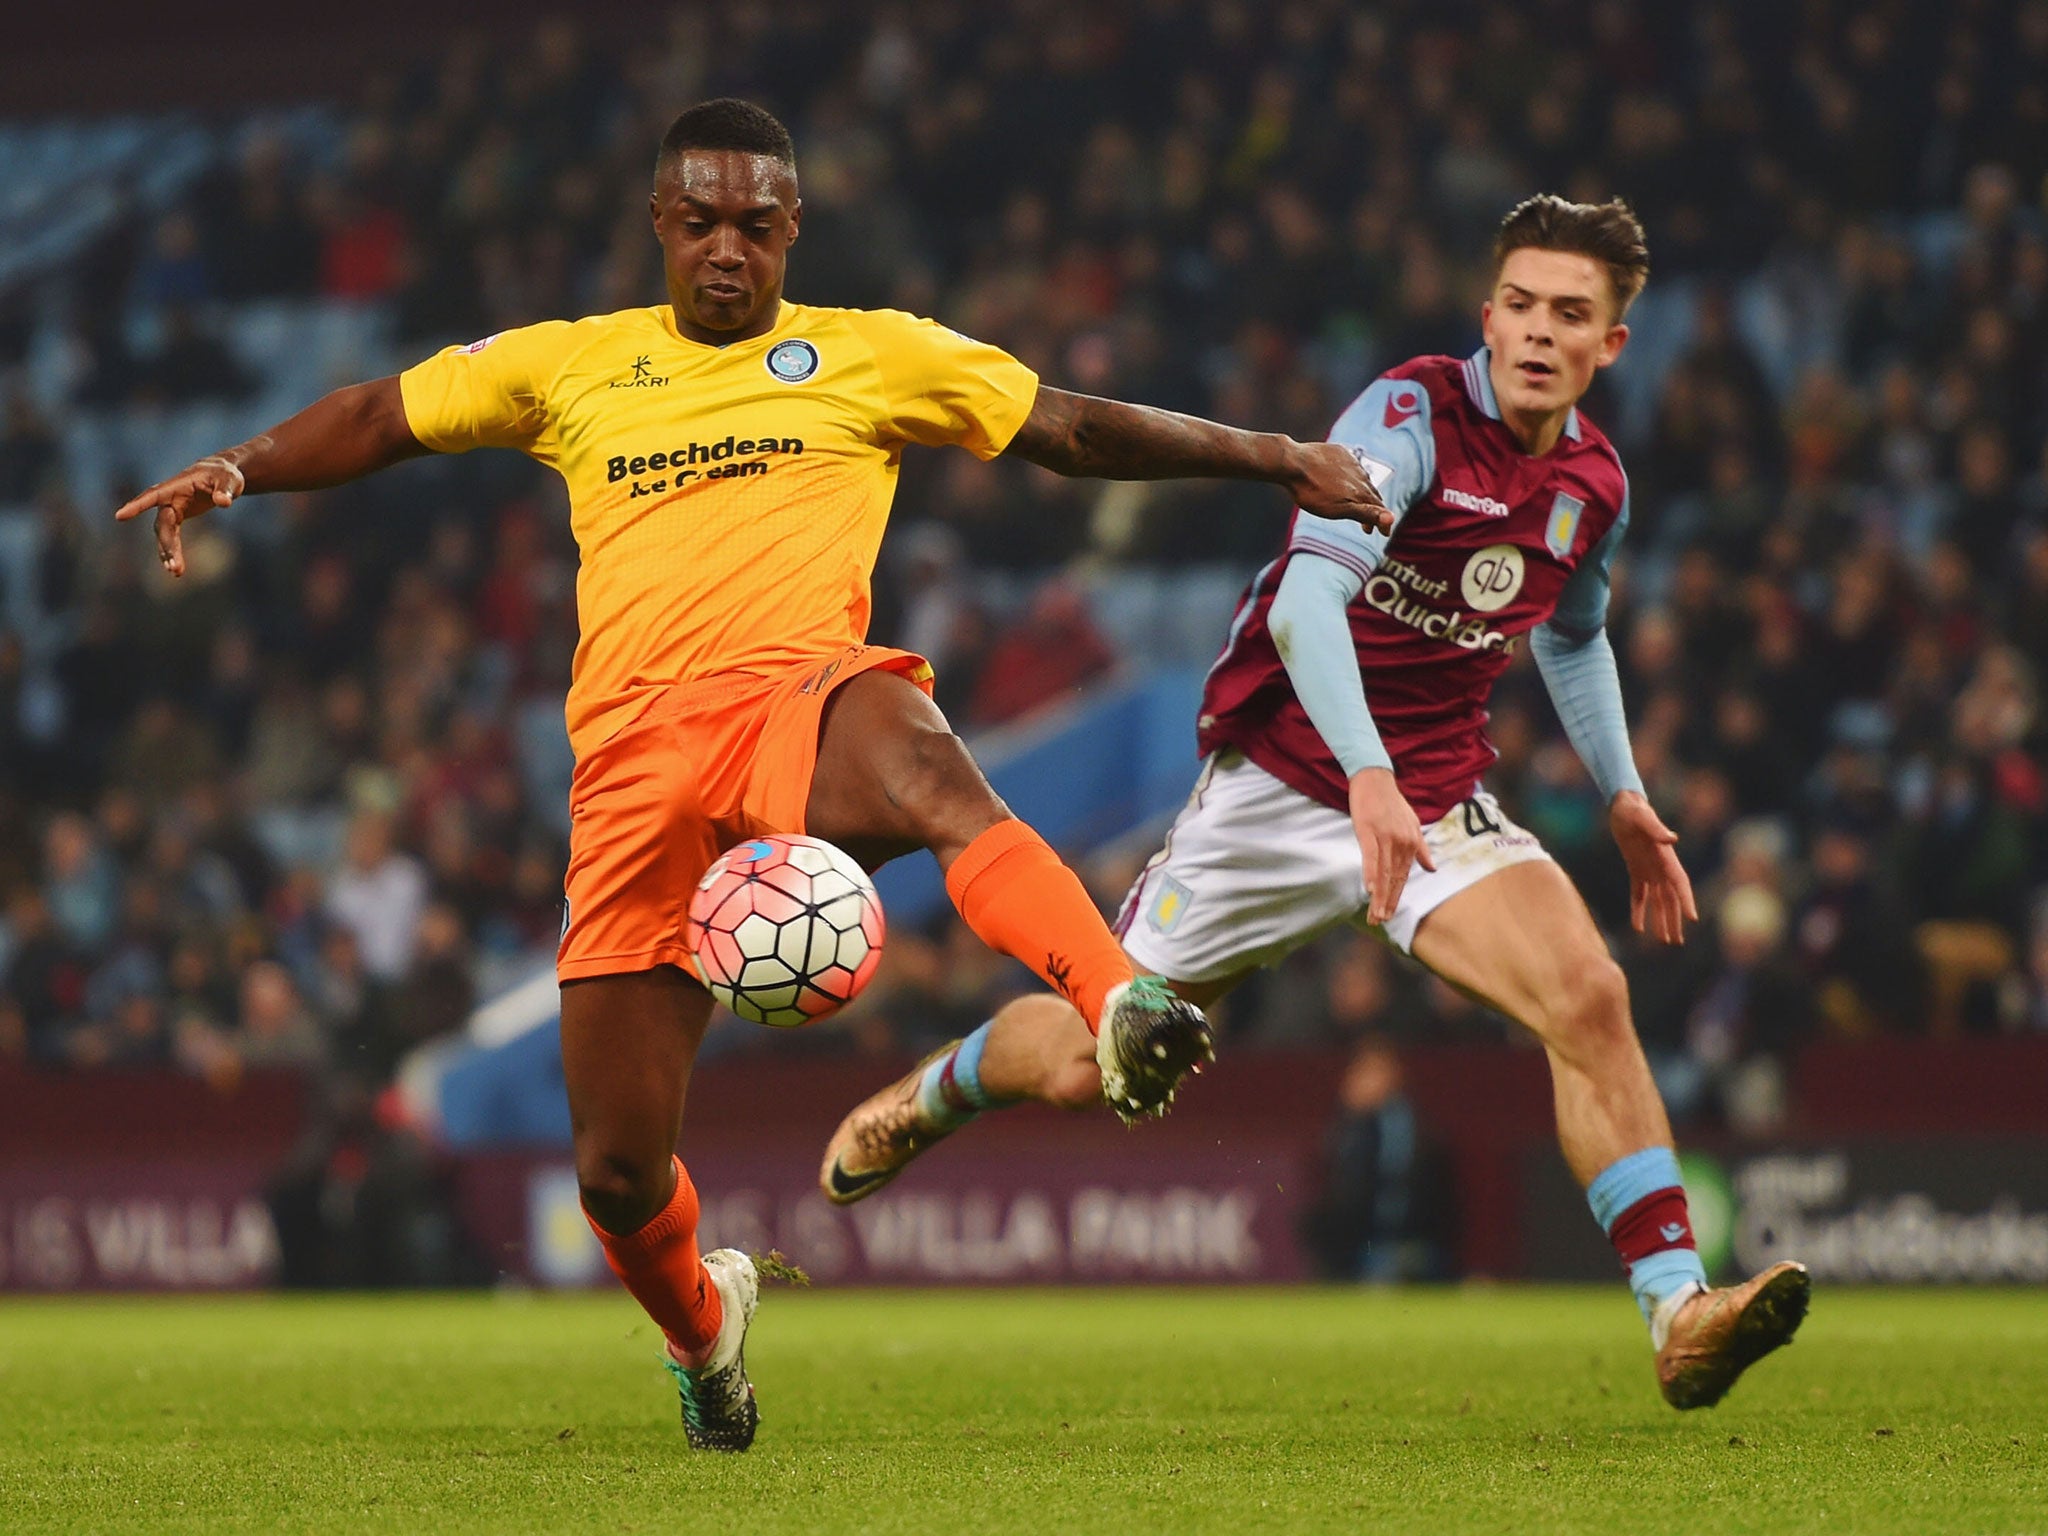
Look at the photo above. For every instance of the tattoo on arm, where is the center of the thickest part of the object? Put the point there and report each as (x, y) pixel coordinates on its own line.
(1111, 440)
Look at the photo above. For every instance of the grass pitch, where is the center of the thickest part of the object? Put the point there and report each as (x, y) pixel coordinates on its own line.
(1519, 1411)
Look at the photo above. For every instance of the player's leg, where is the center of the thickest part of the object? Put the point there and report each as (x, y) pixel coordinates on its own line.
(1036, 1049)
(640, 836)
(890, 777)
(1520, 939)
(1251, 870)
(627, 1047)
(628, 1042)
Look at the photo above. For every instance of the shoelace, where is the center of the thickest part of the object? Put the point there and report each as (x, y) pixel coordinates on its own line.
(892, 1125)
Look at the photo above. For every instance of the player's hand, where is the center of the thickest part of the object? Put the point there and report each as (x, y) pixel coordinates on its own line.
(208, 484)
(1659, 890)
(1389, 839)
(1329, 481)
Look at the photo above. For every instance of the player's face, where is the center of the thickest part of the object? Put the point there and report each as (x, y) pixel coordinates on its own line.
(725, 220)
(1551, 325)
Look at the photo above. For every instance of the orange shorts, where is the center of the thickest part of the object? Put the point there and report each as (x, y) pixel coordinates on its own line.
(706, 765)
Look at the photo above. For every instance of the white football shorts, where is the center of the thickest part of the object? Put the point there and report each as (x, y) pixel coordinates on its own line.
(1252, 870)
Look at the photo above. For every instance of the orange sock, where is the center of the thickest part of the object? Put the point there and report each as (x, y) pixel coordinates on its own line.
(660, 1266)
(1021, 900)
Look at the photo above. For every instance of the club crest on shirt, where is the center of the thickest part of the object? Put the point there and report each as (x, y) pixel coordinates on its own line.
(1169, 905)
(792, 361)
(1564, 524)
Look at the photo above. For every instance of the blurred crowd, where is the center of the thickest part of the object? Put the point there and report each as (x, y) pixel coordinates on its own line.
(306, 805)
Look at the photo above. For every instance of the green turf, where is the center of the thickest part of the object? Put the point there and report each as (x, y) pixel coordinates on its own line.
(1505, 1411)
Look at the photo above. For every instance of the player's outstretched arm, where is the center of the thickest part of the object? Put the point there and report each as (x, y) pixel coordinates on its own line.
(1112, 440)
(337, 438)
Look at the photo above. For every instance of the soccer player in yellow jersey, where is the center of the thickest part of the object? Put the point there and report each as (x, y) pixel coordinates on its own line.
(730, 459)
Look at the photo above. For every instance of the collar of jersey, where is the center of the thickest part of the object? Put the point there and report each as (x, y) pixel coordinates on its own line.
(1479, 386)
(783, 317)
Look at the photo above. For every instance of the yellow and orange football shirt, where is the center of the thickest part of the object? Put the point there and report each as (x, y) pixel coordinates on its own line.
(728, 502)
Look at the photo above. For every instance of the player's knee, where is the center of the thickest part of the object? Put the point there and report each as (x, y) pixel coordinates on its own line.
(941, 786)
(621, 1192)
(1592, 1007)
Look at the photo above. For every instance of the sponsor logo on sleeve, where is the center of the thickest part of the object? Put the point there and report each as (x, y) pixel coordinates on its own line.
(1380, 473)
(1402, 405)
(479, 345)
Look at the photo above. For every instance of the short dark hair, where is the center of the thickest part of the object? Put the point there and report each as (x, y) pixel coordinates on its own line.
(1608, 232)
(728, 123)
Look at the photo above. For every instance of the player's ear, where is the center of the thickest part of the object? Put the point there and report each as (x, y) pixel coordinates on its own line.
(1611, 344)
(796, 217)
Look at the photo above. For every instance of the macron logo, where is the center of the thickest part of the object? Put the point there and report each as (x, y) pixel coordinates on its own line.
(1672, 1230)
(1485, 506)
(1400, 408)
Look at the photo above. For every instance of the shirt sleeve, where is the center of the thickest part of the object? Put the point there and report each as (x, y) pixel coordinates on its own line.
(1312, 631)
(1585, 687)
(939, 387)
(1581, 610)
(1388, 431)
(489, 394)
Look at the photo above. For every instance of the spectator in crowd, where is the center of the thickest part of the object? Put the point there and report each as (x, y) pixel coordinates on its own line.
(81, 882)
(189, 363)
(28, 450)
(365, 1200)
(1752, 1011)
(378, 894)
(275, 1028)
(174, 269)
(1853, 939)
(133, 1034)
(262, 244)
(45, 978)
(438, 990)
(1050, 654)
(1384, 1212)
(2024, 1006)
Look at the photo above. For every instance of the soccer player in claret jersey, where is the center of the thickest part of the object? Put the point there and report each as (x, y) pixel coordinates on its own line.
(1344, 734)
(730, 459)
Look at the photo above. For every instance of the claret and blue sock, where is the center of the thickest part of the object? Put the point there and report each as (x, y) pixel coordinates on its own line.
(950, 1092)
(1640, 1205)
